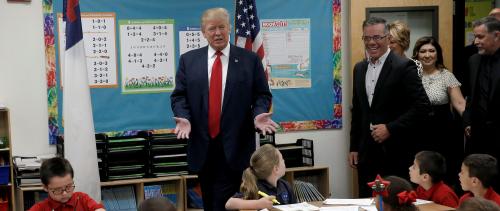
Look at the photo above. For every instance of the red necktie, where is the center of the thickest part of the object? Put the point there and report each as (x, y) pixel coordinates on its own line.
(215, 97)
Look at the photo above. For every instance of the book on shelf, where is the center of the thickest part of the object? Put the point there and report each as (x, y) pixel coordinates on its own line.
(169, 192)
(120, 198)
(152, 191)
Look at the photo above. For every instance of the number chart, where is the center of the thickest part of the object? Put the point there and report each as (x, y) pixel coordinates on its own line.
(147, 55)
(190, 38)
(100, 47)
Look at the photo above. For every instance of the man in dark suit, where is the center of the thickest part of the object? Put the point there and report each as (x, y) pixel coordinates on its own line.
(221, 96)
(482, 111)
(388, 103)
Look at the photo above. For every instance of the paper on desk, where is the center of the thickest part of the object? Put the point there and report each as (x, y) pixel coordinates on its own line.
(368, 208)
(296, 207)
(339, 208)
(361, 202)
(421, 201)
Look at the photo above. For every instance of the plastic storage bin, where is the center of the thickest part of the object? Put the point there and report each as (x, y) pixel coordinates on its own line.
(4, 174)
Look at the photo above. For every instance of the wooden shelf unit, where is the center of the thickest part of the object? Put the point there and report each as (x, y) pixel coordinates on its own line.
(6, 156)
(138, 185)
(319, 176)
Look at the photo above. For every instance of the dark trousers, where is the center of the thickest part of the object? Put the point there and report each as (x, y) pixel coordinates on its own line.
(385, 163)
(218, 181)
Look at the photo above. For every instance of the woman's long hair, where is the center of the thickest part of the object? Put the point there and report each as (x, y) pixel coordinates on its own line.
(439, 51)
(262, 164)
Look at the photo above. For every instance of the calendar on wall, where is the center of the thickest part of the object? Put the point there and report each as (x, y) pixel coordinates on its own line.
(147, 55)
(100, 47)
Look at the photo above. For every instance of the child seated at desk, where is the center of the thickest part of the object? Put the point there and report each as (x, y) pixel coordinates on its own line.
(478, 204)
(266, 168)
(427, 171)
(57, 178)
(476, 175)
(399, 197)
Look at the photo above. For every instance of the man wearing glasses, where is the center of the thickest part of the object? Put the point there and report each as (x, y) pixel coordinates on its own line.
(57, 178)
(388, 104)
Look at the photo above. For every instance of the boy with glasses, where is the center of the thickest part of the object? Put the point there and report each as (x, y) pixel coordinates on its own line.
(57, 178)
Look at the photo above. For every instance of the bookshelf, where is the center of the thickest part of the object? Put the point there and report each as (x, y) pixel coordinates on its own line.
(318, 176)
(7, 196)
(32, 193)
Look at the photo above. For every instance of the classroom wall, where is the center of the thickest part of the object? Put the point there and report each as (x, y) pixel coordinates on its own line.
(23, 91)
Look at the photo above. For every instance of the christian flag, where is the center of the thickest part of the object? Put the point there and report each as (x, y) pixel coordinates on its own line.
(79, 137)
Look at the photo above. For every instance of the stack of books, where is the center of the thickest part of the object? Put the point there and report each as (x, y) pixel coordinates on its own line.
(306, 192)
(27, 171)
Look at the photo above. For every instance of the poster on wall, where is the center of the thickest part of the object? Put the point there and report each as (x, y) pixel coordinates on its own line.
(100, 48)
(191, 38)
(288, 52)
(147, 55)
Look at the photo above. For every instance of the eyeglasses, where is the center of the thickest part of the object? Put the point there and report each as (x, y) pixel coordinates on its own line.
(374, 38)
(67, 189)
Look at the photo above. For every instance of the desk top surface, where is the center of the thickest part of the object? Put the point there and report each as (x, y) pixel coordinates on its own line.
(421, 207)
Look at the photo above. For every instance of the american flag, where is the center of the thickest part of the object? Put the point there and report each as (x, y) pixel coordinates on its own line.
(247, 27)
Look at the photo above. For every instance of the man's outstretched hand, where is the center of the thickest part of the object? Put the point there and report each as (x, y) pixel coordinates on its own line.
(265, 124)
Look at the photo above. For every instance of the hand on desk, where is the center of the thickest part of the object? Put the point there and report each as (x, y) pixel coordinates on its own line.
(265, 124)
(266, 202)
(182, 128)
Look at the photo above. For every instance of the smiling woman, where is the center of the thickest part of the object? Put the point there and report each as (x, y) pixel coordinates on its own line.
(443, 90)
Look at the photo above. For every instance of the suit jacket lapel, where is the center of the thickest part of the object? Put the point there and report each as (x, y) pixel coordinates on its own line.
(474, 70)
(232, 68)
(386, 70)
(203, 67)
(362, 84)
(495, 75)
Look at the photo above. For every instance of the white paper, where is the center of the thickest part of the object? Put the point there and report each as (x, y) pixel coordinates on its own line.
(296, 207)
(339, 208)
(421, 201)
(369, 208)
(361, 202)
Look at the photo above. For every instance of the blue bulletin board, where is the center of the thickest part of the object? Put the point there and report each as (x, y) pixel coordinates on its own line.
(295, 108)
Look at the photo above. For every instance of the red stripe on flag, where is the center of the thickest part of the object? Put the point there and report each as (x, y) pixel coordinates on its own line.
(248, 44)
(260, 52)
(70, 10)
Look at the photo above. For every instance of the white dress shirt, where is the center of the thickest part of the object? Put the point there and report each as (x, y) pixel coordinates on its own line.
(224, 58)
(372, 73)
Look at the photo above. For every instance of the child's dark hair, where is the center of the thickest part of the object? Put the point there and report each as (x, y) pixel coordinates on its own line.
(482, 166)
(156, 204)
(398, 186)
(262, 164)
(55, 167)
(431, 163)
(478, 204)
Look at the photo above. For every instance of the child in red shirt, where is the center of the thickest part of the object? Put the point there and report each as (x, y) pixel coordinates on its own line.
(57, 178)
(477, 174)
(427, 171)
